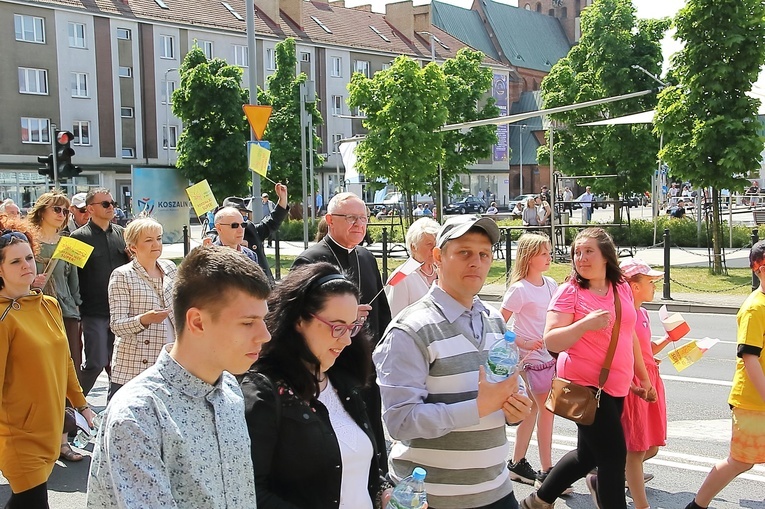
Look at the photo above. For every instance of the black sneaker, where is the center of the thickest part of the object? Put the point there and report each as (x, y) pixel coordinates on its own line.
(522, 472)
(541, 478)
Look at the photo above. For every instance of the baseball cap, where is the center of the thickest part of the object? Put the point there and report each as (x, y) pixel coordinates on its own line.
(634, 266)
(757, 255)
(458, 226)
(236, 202)
(264, 195)
(78, 200)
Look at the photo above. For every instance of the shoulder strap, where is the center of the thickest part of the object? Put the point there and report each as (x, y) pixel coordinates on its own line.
(614, 339)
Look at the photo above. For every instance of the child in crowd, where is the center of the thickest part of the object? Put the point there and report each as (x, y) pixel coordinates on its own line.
(747, 396)
(644, 423)
(526, 302)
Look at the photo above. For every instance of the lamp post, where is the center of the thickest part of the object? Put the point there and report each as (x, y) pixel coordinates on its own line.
(252, 66)
(167, 114)
(440, 170)
(520, 144)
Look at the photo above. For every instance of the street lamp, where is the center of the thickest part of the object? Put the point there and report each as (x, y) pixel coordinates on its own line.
(440, 170)
(167, 114)
(650, 74)
(520, 142)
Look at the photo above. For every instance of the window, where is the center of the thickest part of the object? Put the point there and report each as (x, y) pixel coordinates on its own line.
(358, 112)
(336, 143)
(126, 112)
(386, 65)
(168, 87)
(167, 46)
(207, 48)
(362, 66)
(29, 28)
(76, 35)
(125, 72)
(337, 104)
(33, 81)
(305, 56)
(173, 136)
(128, 153)
(336, 69)
(81, 131)
(79, 84)
(35, 130)
(123, 34)
(270, 59)
(241, 56)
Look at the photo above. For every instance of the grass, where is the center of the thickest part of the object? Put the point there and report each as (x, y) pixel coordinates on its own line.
(688, 279)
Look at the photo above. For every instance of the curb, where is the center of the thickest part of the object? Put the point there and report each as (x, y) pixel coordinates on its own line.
(674, 306)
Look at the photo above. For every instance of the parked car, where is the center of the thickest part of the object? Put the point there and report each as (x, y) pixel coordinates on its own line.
(469, 204)
(523, 198)
(636, 200)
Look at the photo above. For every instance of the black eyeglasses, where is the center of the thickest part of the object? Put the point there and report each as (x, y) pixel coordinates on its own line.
(60, 210)
(338, 329)
(106, 204)
(234, 226)
(8, 237)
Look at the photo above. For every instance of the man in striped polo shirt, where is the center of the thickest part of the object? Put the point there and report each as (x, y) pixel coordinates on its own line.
(437, 404)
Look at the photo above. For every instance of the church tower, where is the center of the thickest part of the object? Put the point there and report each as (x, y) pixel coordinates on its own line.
(567, 12)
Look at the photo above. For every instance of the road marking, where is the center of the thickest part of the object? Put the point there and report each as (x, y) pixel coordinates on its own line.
(707, 381)
(723, 341)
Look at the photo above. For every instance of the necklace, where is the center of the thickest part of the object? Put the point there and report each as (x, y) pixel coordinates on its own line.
(432, 271)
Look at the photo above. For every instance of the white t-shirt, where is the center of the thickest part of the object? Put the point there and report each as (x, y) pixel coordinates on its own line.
(355, 452)
(528, 303)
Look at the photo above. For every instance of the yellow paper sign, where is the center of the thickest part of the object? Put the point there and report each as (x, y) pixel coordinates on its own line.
(202, 197)
(259, 157)
(685, 356)
(73, 251)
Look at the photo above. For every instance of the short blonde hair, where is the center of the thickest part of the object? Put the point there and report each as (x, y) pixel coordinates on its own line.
(139, 227)
(420, 228)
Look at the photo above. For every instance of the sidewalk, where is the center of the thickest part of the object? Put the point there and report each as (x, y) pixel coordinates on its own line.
(682, 301)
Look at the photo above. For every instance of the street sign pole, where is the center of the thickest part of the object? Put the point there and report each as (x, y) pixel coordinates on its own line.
(54, 137)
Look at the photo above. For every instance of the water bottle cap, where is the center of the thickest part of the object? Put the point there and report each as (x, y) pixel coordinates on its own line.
(510, 336)
(418, 474)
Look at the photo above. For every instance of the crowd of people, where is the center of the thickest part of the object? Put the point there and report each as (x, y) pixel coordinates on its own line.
(228, 389)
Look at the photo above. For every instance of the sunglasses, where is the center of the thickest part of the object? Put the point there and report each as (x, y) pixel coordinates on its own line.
(106, 204)
(352, 218)
(60, 210)
(234, 226)
(338, 330)
(8, 236)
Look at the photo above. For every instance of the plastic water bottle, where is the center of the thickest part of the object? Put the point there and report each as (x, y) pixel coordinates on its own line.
(503, 358)
(410, 492)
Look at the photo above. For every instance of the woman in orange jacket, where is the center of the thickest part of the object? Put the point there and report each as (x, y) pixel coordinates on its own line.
(36, 374)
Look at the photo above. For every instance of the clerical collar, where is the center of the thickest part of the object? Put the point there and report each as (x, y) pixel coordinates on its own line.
(340, 245)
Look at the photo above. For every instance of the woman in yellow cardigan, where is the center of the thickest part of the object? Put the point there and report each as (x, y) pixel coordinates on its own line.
(36, 375)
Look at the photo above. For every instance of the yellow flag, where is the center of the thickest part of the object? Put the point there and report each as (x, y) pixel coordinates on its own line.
(685, 356)
(202, 197)
(259, 157)
(73, 251)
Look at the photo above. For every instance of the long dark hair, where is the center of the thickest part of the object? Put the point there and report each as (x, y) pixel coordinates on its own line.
(298, 296)
(607, 249)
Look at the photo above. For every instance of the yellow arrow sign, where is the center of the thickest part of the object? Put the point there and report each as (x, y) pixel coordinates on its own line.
(257, 115)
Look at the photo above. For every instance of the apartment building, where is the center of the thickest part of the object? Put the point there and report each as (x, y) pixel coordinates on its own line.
(104, 71)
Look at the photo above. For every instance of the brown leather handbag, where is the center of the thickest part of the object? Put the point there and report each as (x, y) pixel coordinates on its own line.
(579, 403)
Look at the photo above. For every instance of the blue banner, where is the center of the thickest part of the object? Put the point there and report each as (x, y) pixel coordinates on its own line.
(160, 193)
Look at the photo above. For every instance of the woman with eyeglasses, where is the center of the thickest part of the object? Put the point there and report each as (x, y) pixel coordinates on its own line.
(140, 303)
(49, 217)
(313, 444)
(36, 374)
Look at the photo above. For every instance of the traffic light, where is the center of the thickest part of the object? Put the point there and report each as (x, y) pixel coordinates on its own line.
(47, 162)
(64, 153)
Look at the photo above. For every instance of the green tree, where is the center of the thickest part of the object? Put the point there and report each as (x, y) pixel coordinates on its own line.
(283, 129)
(468, 83)
(404, 105)
(709, 123)
(212, 144)
(600, 66)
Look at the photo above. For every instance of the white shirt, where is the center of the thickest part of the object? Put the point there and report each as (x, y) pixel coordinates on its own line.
(411, 289)
(528, 303)
(355, 452)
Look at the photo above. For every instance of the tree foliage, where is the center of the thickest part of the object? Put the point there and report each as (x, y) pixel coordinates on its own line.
(283, 130)
(468, 83)
(709, 123)
(600, 66)
(404, 106)
(212, 144)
